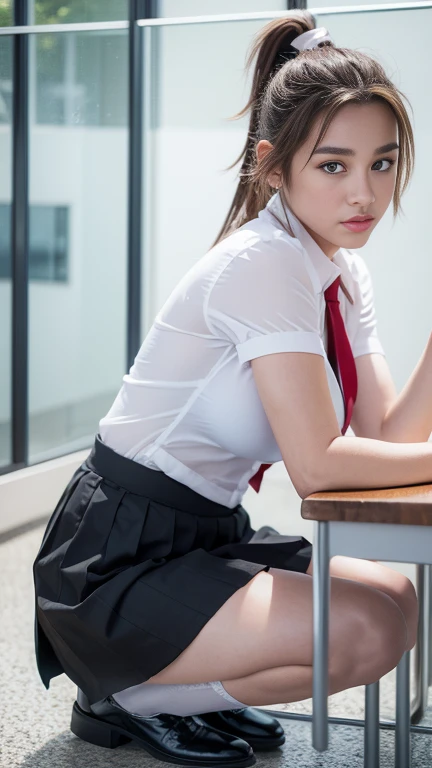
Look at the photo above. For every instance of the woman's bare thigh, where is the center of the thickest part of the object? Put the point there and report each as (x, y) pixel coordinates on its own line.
(269, 623)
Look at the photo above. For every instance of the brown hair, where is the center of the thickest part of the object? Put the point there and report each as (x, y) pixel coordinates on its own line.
(289, 92)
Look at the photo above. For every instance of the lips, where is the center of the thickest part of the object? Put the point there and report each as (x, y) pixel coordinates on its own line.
(357, 226)
(358, 218)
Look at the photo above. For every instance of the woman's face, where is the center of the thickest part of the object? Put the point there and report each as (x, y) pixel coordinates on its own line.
(334, 186)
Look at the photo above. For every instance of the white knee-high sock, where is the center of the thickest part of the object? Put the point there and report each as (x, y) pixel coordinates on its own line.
(147, 699)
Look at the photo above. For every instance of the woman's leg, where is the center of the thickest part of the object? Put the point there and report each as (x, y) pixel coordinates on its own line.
(393, 583)
(267, 627)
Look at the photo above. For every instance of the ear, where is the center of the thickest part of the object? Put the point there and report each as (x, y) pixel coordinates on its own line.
(262, 148)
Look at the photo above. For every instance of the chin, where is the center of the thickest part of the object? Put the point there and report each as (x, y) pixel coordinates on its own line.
(356, 237)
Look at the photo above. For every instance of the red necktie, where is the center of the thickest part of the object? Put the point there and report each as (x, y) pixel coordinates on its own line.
(341, 359)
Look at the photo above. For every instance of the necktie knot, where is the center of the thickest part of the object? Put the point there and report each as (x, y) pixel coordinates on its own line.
(331, 293)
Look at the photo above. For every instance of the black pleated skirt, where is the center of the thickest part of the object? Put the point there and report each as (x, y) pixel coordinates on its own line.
(132, 565)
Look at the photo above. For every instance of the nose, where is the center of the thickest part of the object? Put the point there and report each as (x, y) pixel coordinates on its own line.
(361, 191)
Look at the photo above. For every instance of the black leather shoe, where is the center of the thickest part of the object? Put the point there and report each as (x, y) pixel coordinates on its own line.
(259, 729)
(171, 738)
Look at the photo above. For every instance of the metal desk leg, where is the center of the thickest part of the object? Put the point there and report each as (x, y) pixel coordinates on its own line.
(372, 726)
(426, 633)
(321, 605)
(422, 646)
(402, 731)
(430, 625)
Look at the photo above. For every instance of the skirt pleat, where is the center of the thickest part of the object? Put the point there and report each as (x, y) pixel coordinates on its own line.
(132, 565)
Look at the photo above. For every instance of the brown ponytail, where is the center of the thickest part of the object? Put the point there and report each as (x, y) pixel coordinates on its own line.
(289, 93)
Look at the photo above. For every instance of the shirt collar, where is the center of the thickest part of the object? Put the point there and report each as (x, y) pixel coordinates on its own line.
(326, 269)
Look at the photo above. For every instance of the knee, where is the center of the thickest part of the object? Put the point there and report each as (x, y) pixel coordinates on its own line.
(374, 640)
(402, 591)
(406, 597)
(407, 593)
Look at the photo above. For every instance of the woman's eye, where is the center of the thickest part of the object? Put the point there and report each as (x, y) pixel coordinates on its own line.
(334, 163)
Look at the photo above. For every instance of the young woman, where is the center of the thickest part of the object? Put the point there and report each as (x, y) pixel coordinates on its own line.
(153, 592)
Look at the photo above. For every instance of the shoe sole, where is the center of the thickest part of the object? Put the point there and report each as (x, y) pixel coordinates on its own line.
(103, 734)
(265, 744)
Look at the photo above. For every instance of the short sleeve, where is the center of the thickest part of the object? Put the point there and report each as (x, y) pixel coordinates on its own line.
(366, 335)
(264, 302)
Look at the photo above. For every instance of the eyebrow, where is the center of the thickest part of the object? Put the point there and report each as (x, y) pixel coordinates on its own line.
(346, 151)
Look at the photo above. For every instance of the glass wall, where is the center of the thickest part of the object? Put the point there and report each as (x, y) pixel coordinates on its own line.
(6, 13)
(172, 8)
(6, 94)
(76, 11)
(78, 121)
(78, 235)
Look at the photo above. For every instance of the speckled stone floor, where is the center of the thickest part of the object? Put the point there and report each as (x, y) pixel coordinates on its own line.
(34, 723)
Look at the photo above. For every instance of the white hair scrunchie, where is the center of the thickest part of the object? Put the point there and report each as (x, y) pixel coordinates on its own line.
(311, 38)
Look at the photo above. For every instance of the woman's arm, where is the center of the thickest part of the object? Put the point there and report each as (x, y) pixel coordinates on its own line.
(381, 413)
(409, 418)
(361, 462)
(294, 391)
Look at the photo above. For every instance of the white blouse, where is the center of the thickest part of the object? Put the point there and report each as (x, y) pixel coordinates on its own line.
(189, 405)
